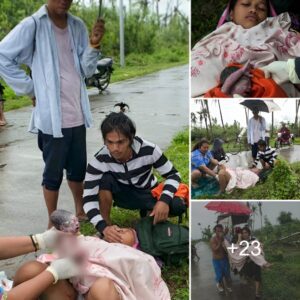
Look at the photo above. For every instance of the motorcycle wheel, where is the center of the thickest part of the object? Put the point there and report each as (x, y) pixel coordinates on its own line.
(103, 84)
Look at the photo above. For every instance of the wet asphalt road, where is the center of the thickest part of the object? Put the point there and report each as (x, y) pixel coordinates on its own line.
(158, 105)
(203, 280)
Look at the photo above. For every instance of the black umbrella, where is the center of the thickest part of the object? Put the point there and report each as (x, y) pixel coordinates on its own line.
(261, 105)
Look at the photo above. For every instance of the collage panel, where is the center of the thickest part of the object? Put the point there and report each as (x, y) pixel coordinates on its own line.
(245, 250)
(246, 49)
(245, 149)
(94, 149)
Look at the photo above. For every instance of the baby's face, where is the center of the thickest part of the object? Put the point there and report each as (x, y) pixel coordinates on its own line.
(242, 87)
(249, 13)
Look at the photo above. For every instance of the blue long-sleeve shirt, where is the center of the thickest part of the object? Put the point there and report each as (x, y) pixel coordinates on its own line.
(32, 42)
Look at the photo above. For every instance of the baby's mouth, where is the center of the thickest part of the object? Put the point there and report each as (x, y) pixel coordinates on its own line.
(252, 18)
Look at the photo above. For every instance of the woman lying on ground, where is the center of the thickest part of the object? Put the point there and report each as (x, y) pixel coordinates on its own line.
(253, 35)
(109, 271)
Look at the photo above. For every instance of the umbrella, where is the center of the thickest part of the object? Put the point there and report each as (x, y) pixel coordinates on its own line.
(262, 105)
(230, 207)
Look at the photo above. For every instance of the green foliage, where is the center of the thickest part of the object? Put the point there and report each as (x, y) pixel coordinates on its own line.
(281, 281)
(282, 183)
(205, 17)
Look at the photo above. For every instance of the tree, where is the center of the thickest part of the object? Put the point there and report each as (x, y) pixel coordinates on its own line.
(285, 218)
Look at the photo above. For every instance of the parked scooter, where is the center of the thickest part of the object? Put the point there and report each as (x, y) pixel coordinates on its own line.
(101, 77)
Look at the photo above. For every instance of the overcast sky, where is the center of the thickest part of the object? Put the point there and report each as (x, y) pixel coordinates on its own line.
(271, 209)
(232, 110)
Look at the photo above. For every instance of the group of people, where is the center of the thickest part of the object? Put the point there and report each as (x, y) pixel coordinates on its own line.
(252, 53)
(213, 163)
(226, 258)
(57, 48)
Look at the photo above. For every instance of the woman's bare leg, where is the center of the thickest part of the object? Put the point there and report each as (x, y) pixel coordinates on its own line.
(103, 289)
(63, 290)
(195, 176)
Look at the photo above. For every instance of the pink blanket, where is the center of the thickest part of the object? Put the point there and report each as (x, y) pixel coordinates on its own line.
(241, 179)
(264, 43)
(135, 274)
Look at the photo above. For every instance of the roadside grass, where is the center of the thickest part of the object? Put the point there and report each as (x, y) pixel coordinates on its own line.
(137, 64)
(281, 281)
(177, 278)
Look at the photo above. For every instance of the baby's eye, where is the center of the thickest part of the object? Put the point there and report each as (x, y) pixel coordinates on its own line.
(262, 7)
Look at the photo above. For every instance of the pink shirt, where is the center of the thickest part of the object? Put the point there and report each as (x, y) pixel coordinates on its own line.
(69, 80)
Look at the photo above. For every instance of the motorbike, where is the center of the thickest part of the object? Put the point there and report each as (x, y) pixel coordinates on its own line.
(102, 75)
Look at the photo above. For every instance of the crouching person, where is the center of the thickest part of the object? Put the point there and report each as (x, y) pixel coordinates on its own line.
(122, 172)
(267, 157)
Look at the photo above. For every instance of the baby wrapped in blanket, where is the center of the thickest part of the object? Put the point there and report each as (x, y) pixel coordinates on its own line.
(135, 274)
(262, 44)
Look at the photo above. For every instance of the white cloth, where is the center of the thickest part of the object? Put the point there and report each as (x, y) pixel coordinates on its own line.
(256, 130)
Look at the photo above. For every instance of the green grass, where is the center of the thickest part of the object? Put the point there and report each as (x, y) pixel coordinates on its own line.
(136, 65)
(177, 278)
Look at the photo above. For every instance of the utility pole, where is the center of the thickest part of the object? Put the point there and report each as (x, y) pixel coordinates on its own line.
(122, 47)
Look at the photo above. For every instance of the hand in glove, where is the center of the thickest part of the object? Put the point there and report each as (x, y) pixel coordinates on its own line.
(48, 239)
(282, 71)
(64, 268)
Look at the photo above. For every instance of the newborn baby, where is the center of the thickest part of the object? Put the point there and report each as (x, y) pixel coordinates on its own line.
(65, 221)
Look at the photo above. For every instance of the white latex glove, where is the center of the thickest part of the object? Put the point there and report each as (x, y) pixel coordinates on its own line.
(48, 238)
(217, 177)
(64, 268)
(278, 71)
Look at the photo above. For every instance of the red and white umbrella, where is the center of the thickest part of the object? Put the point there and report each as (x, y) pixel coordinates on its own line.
(230, 207)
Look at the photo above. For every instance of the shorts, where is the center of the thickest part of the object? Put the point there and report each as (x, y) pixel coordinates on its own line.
(68, 152)
(131, 197)
(222, 269)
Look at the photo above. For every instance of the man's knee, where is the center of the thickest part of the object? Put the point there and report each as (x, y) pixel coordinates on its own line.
(28, 271)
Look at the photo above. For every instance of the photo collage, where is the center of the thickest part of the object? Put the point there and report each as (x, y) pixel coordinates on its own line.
(150, 150)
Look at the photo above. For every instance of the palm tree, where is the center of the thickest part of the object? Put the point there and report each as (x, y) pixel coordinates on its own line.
(260, 213)
(193, 119)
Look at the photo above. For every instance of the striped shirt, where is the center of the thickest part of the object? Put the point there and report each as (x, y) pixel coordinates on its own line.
(137, 172)
(268, 156)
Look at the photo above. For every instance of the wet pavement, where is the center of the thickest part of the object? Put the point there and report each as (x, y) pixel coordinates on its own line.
(203, 280)
(158, 105)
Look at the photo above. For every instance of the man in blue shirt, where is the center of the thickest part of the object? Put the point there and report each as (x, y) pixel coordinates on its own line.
(57, 48)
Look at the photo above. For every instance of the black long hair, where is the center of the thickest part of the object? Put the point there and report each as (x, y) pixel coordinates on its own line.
(200, 143)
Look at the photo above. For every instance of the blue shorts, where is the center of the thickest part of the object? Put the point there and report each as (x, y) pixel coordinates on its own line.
(68, 152)
(222, 268)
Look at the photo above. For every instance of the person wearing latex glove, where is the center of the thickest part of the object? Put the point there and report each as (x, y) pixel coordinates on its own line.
(60, 269)
(15, 246)
(283, 71)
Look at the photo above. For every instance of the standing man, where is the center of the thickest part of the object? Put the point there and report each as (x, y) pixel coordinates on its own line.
(56, 46)
(220, 259)
(256, 131)
(122, 171)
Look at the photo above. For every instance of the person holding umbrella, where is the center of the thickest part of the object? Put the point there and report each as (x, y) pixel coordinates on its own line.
(256, 131)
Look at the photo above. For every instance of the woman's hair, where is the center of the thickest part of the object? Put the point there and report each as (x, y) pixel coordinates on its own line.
(200, 143)
(233, 3)
(120, 123)
(246, 229)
